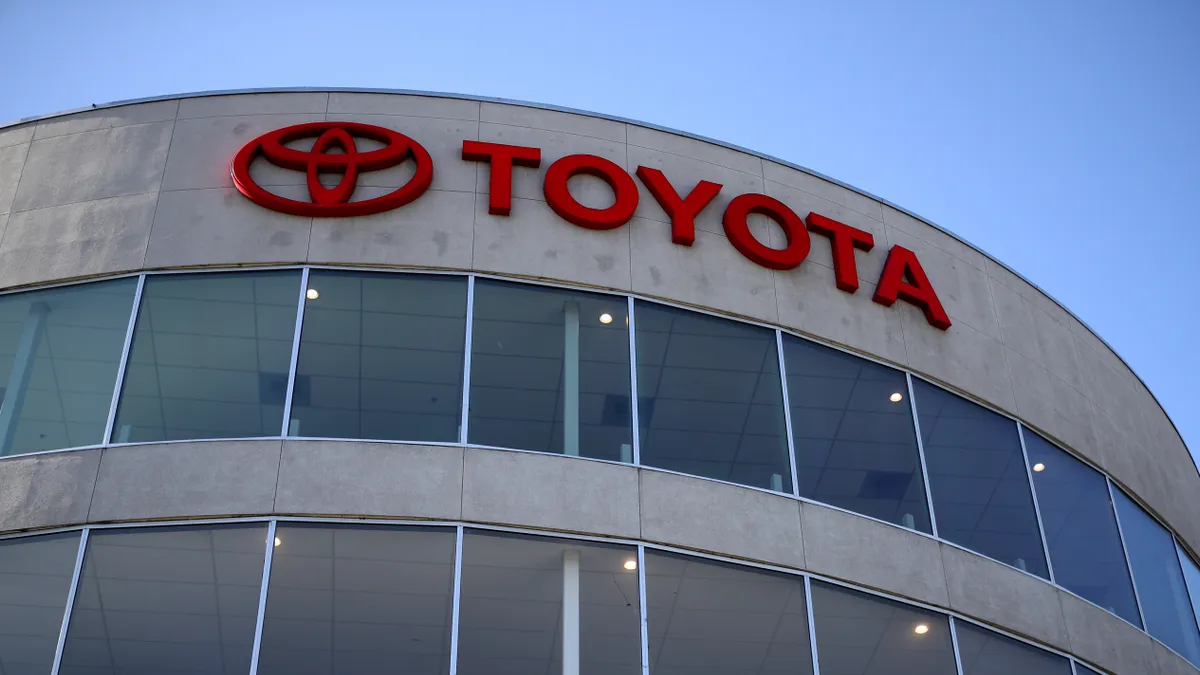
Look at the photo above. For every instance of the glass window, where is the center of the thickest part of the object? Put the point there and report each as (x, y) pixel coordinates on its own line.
(167, 600)
(984, 652)
(709, 398)
(381, 357)
(1081, 669)
(523, 597)
(853, 433)
(709, 617)
(1191, 574)
(59, 354)
(861, 634)
(1081, 530)
(1159, 579)
(358, 599)
(550, 371)
(981, 495)
(210, 357)
(35, 578)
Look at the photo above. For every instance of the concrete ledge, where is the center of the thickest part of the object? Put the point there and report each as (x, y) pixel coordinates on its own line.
(47, 490)
(1102, 638)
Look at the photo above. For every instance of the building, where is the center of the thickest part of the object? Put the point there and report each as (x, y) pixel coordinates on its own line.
(353, 382)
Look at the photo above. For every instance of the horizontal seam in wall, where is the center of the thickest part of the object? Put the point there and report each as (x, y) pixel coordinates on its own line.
(552, 131)
(84, 201)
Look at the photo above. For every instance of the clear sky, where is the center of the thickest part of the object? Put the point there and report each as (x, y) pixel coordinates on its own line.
(1061, 137)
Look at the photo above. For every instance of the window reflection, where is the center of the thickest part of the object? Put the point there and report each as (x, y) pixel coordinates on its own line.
(380, 357)
(35, 578)
(984, 652)
(710, 401)
(981, 494)
(1191, 575)
(855, 443)
(550, 371)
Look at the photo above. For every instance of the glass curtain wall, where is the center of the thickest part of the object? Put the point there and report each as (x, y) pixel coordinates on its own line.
(35, 579)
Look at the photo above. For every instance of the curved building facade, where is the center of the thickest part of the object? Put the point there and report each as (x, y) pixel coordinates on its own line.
(349, 382)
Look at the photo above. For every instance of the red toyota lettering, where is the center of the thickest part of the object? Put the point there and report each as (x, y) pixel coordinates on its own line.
(737, 228)
(558, 195)
(843, 239)
(502, 158)
(902, 278)
(681, 210)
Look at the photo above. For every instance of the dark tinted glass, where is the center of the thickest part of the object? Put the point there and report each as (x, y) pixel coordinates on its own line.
(550, 371)
(986, 653)
(359, 600)
(861, 634)
(1081, 530)
(1191, 574)
(707, 617)
(855, 443)
(710, 401)
(35, 577)
(59, 353)
(518, 593)
(1159, 579)
(1081, 669)
(381, 357)
(981, 495)
(210, 357)
(167, 600)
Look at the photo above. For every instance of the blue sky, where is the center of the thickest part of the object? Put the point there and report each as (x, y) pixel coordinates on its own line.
(1061, 137)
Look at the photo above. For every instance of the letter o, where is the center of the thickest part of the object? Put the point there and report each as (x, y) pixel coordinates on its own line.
(558, 196)
(737, 228)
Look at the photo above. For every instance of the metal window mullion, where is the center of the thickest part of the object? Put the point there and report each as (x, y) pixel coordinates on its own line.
(912, 405)
(812, 625)
(1074, 671)
(74, 588)
(262, 597)
(1137, 598)
(633, 385)
(1187, 588)
(954, 642)
(291, 385)
(787, 412)
(644, 622)
(124, 363)
(457, 599)
(463, 419)
(1037, 509)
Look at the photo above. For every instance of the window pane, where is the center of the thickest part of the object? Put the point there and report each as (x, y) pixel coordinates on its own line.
(359, 599)
(1081, 669)
(708, 617)
(984, 652)
(861, 634)
(710, 403)
(210, 357)
(35, 578)
(1191, 574)
(1159, 579)
(59, 354)
(539, 353)
(380, 357)
(981, 495)
(855, 443)
(167, 600)
(512, 606)
(1081, 530)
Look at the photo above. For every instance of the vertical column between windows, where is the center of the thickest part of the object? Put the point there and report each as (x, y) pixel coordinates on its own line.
(124, 363)
(262, 597)
(1037, 510)
(286, 429)
(912, 403)
(787, 412)
(466, 386)
(66, 622)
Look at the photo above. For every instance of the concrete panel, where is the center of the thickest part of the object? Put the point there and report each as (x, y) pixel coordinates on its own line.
(1050, 404)
(107, 118)
(550, 491)
(868, 263)
(15, 135)
(819, 187)
(1102, 638)
(873, 554)
(710, 273)
(1036, 335)
(1000, 595)
(46, 490)
(94, 165)
(443, 138)
(696, 149)
(811, 302)
(961, 357)
(527, 183)
(343, 103)
(535, 242)
(221, 227)
(179, 480)
(552, 120)
(962, 288)
(254, 104)
(1055, 311)
(83, 239)
(1170, 663)
(435, 231)
(202, 149)
(933, 236)
(1118, 452)
(12, 160)
(684, 173)
(370, 479)
(710, 516)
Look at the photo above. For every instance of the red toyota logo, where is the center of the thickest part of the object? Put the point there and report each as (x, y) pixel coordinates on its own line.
(335, 201)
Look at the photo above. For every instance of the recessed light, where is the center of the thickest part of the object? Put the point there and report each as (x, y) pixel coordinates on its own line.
(921, 629)
(896, 397)
(631, 564)
(312, 294)
(606, 318)
(1039, 467)
(277, 541)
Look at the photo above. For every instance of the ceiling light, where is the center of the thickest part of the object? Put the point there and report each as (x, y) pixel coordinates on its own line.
(631, 564)
(312, 294)
(277, 541)
(1039, 467)
(921, 629)
(606, 318)
(896, 397)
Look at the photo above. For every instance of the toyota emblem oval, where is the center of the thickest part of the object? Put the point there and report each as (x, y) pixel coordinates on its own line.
(333, 202)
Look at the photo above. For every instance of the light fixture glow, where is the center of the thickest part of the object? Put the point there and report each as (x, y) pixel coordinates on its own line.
(1039, 467)
(277, 541)
(312, 294)
(921, 629)
(631, 564)
(896, 397)
(606, 318)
